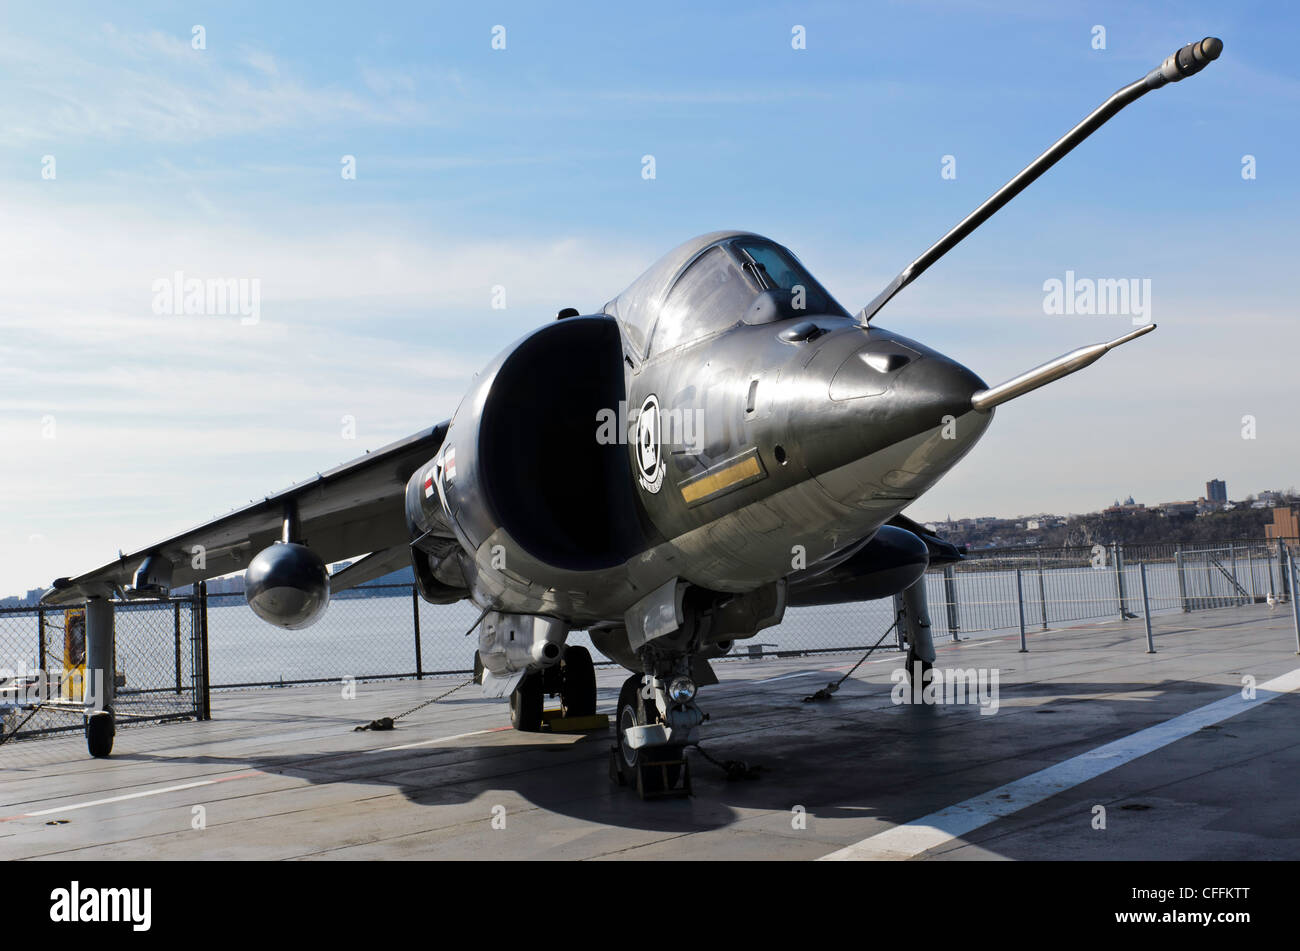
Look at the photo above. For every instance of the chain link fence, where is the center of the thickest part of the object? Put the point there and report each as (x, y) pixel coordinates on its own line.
(380, 632)
(42, 666)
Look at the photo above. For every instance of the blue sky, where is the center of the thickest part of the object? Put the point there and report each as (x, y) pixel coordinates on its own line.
(522, 168)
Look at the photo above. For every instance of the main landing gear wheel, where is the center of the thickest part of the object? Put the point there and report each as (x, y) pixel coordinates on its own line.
(526, 704)
(927, 673)
(635, 711)
(577, 683)
(100, 729)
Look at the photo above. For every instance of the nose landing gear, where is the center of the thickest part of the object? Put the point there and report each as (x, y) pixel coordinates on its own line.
(652, 731)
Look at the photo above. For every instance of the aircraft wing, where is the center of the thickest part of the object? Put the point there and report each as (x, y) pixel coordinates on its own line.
(353, 509)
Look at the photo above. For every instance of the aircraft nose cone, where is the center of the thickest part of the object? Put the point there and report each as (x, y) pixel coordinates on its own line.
(902, 387)
(934, 387)
(894, 417)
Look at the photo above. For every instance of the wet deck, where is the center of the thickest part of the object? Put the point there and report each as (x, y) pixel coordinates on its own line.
(1184, 767)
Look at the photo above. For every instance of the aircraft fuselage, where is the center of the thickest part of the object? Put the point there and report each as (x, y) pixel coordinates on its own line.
(587, 473)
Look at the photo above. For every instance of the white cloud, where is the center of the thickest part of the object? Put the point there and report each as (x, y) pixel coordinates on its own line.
(163, 421)
(152, 87)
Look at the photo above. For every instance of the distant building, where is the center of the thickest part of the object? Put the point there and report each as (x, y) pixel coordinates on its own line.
(1286, 523)
(1171, 509)
(1216, 490)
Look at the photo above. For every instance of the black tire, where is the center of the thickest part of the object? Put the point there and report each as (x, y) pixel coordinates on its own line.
(577, 683)
(526, 704)
(100, 729)
(630, 761)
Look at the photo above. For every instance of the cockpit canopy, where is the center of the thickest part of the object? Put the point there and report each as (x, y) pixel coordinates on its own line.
(711, 284)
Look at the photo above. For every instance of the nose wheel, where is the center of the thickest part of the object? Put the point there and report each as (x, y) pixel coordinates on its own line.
(653, 771)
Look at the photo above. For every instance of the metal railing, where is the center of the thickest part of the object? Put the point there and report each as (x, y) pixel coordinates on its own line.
(381, 632)
(989, 591)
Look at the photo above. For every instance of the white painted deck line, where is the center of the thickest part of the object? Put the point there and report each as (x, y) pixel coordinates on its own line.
(912, 838)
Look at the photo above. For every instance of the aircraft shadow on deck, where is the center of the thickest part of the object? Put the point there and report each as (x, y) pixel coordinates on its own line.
(892, 764)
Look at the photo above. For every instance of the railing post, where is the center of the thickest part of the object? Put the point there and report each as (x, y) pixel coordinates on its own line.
(1282, 571)
(204, 698)
(415, 615)
(1119, 578)
(1042, 589)
(176, 629)
(1020, 600)
(1295, 608)
(1268, 571)
(1146, 607)
(950, 601)
(1182, 579)
(1250, 570)
(40, 642)
(1235, 582)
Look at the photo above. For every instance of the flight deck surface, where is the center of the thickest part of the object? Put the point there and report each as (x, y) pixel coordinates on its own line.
(1184, 765)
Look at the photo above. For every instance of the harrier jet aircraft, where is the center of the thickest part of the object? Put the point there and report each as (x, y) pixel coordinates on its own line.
(723, 441)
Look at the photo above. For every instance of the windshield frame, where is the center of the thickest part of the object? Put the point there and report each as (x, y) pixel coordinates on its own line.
(817, 300)
(735, 265)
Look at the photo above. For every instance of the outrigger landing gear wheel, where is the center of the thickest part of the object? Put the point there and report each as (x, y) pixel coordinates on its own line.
(577, 682)
(100, 729)
(634, 710)
(526, 704)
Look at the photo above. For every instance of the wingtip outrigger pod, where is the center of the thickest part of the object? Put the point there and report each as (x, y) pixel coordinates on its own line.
(1064, 365)
(1188, 61)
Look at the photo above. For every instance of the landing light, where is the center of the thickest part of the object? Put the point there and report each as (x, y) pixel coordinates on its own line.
(681, 690)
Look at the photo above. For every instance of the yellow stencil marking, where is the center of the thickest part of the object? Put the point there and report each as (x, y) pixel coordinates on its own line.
(724, 478)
